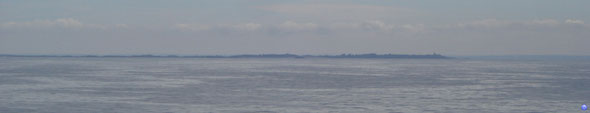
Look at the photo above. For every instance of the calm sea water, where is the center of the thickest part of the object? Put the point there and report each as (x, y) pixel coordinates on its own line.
(141, 85)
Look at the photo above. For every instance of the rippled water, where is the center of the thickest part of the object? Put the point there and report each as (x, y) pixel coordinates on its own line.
(139, 85)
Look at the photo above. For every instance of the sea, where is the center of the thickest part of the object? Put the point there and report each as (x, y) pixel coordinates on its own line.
(289, 85)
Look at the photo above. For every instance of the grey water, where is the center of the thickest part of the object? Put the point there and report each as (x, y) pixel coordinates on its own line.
(285, 85)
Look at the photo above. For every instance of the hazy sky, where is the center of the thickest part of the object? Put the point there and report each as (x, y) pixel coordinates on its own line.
(449, 27)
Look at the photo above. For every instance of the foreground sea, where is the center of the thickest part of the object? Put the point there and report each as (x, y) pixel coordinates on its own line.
(288, 85)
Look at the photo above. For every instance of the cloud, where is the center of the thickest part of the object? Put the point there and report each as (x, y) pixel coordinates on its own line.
(371, 26)
(414, 27)
(340, 12)
(191, 27)
(574, 21)
(230, 27)
(35, 23)
(484, 23)
(551, 22)
(477, 37)
(376, 25)
(69, 22)
(323, 8)
(494, 23)
(58, 23)
(536, 25)
(294, 26)
(121, 25)
(380, 26)
(247, 27)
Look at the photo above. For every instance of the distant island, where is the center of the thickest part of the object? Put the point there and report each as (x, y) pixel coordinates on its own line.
(368, 55)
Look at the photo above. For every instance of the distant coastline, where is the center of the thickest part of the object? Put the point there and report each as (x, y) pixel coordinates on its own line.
(368, 55)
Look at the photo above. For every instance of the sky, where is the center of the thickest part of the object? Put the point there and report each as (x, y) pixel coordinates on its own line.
(317, 27)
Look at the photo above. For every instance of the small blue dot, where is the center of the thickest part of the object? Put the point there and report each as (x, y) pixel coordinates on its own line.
(584, 107)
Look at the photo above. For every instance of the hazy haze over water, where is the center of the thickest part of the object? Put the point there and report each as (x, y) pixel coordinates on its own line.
(212, 27)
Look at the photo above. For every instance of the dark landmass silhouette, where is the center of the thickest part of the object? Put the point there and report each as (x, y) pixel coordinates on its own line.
(369, 55)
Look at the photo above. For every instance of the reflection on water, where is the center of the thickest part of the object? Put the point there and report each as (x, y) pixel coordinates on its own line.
(139, 85)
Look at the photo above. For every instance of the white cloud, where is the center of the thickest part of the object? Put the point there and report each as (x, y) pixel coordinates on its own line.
(220, 28)
(61, 22)
(247, 26)
(376, 25)
(35, 23)
(574, 21)
(287, 26)
(192, 27)
(494, 23)
(380, 26)
(340, 12)
(324, 8)
(121, 25)
(485, 23)
(543, 22)
(414, 27)
(69, 22)
(294, 26)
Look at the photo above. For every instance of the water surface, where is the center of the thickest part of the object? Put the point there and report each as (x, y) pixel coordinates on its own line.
(140, 85)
